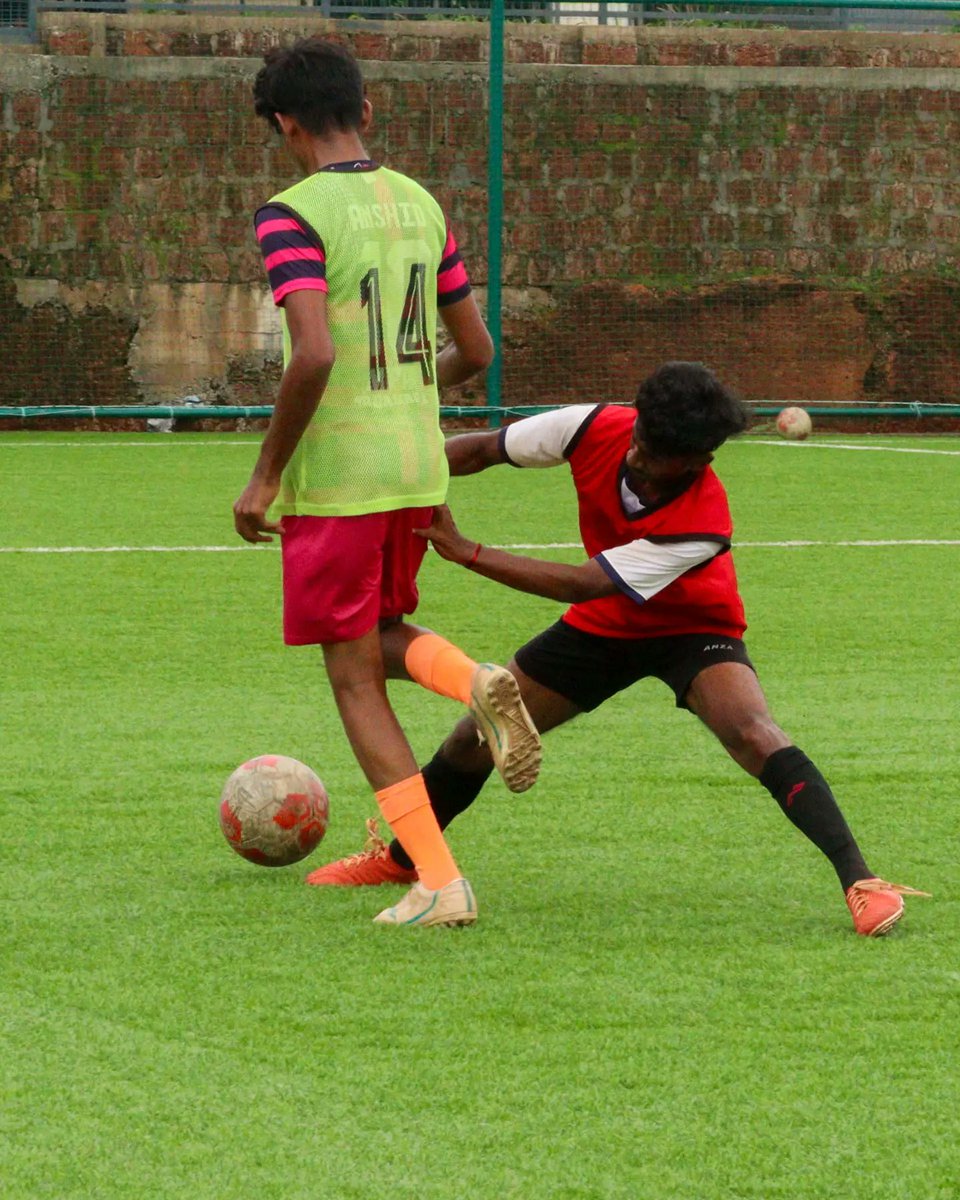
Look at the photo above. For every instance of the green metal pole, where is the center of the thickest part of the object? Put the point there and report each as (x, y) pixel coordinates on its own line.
(495, 208)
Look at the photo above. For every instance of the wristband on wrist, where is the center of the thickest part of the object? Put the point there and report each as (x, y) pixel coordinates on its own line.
(476, 554)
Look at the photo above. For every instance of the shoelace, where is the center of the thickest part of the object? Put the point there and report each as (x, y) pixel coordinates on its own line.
(375, 846)
(863, 886)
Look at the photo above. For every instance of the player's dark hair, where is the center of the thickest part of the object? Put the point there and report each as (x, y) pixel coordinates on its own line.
(317, 82)
(682, 408)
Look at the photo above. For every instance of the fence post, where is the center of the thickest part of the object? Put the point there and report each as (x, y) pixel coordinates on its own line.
(495, 207)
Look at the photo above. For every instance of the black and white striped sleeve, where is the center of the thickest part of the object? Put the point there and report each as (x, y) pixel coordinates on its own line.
(546, 439)
(643, 568)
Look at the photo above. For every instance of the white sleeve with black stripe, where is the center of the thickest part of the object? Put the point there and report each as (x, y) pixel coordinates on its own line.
(541, 441)
(642, 568)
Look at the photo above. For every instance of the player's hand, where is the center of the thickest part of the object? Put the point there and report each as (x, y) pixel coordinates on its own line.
(250, 511)
(446, 538)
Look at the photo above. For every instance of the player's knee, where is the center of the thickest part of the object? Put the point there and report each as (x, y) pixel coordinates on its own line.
(352, 687)
(754, 738)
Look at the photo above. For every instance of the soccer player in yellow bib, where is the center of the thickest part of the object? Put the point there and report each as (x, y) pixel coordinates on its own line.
(361, 262)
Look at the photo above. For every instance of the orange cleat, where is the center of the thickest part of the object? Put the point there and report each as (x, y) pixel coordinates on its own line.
(370, 868)
(876, 906)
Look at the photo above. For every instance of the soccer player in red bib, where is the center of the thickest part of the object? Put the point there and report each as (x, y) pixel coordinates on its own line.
(657, 597)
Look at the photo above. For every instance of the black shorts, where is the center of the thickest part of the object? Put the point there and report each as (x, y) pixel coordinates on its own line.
(588, 669)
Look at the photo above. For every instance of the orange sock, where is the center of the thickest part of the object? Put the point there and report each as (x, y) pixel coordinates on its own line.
(438, 665)
(406, 809)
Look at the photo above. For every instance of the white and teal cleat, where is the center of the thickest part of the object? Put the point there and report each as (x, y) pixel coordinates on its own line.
(505, 726)
(454, 904)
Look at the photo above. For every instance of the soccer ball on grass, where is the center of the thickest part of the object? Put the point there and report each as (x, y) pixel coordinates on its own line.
(274, 810)
(794, 424)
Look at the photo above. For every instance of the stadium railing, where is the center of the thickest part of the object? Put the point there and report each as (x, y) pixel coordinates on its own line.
(19, 17)
(494, 414)
(18, 20)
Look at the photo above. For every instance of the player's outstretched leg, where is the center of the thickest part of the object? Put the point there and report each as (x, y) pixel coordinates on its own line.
(809, 803)
(373, 866)
(453, 904)
(729, 700)
(506, 726)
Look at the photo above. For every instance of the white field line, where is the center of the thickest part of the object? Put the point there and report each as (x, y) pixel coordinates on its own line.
(128, 549)
(765, 545)
(854, 542)
(841, 446)
(94, 445)
(160, 440)
(791, 545)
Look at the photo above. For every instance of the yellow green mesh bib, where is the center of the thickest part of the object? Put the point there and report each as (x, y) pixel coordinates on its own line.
(374, 443)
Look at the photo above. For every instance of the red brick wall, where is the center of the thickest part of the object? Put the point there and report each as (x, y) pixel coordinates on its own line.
(797, 227)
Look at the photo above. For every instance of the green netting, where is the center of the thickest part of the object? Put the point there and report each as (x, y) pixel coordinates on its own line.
(781, 205)
(793, 226)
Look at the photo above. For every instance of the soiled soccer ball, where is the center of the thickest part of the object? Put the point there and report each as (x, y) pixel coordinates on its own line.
(274, 810)
(794, 424)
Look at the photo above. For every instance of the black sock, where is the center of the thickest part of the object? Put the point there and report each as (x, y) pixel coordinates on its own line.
(450, 792)
(806, 799)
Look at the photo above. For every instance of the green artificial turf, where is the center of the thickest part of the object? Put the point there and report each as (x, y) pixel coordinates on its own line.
(663, 998)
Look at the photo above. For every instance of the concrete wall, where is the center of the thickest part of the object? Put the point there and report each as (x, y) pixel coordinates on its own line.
(763, 207)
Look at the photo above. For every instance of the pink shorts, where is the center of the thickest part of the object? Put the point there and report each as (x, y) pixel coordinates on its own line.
(341, 575)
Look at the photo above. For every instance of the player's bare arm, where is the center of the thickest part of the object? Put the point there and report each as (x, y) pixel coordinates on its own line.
(552, 580)
(301, 388)
(468, 453)
(470, 349)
